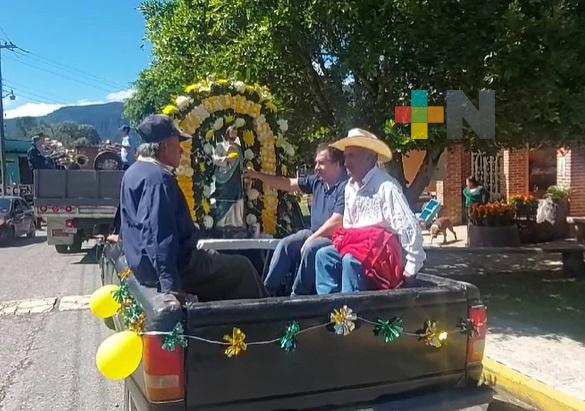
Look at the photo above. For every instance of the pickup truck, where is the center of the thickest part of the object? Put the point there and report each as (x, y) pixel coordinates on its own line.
(326, 371)
(77, 204)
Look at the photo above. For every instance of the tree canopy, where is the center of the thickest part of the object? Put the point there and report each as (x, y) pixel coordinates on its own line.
(336, 65)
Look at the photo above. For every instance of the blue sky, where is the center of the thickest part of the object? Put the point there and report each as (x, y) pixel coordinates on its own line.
(81, 51)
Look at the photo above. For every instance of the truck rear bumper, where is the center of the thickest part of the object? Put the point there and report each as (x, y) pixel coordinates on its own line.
(445, 400)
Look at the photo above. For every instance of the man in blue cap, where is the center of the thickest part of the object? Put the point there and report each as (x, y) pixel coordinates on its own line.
(158, 236)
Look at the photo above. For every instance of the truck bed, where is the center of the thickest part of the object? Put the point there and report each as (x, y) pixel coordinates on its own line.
(77, 187)
(325, 370)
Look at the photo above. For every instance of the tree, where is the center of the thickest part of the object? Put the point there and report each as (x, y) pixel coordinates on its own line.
(342, 64)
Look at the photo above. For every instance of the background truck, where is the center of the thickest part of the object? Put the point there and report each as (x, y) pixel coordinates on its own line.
(326, 371)
(76, 204)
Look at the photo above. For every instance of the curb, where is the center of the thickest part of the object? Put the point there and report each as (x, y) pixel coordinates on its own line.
(529, 390)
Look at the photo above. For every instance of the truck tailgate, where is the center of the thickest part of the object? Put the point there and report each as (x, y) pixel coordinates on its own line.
(325, 368)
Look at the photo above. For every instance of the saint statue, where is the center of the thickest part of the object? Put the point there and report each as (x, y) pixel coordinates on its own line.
(229, 187)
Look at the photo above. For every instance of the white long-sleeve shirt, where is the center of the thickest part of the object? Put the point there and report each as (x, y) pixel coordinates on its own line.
(381, 202)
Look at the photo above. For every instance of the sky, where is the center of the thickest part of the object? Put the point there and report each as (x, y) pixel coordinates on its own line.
(79, 52)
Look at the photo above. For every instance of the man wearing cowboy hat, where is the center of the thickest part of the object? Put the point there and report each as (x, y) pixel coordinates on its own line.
(158, 236)
(372, 198)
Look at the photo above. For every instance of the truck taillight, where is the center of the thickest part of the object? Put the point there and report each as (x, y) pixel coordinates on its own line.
(55, 209)
(164, 375)
(476, 342)
(70, 223)
(68, 209)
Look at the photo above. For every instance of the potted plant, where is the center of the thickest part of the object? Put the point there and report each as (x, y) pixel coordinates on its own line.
(525, 206)
(558, 213)
(492, 225)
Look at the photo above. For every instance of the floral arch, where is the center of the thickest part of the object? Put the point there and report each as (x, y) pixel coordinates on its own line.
(205, 110)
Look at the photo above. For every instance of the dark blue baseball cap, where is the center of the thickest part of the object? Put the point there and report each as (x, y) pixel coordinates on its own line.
(157, 127)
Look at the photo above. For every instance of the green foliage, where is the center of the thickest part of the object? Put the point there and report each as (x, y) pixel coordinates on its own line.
(557, 193)
(335, 65)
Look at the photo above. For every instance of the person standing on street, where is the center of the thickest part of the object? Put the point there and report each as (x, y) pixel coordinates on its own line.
(293, 263)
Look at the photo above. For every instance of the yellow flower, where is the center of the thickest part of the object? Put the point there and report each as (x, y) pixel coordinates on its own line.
(202, 167)
(248, 137)
(209, 134)
(192, 88)
(169, 110)
(271, 106)
(229, 119)
(250, 89)
(205, 206)
(284, 169)
(222, 82)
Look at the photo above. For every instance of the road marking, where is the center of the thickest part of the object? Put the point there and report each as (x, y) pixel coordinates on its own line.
(44, 305)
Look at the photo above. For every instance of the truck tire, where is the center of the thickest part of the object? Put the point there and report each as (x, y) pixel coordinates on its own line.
(128, 401)
(62, 248)
(76, 246)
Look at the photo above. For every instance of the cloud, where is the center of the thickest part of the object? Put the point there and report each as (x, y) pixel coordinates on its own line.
(120, 95)
(41, 109)
(32, 109)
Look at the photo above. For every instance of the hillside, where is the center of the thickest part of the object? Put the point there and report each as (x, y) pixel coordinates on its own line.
(106, 118)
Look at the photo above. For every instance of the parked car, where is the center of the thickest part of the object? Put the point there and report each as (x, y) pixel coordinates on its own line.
(17, 218)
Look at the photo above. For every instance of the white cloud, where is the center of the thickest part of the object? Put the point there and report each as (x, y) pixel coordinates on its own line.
(32, 109)
(41, 109)
(120, 95)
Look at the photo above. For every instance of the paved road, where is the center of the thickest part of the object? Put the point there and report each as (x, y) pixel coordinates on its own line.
(47, 356)
(49, 339)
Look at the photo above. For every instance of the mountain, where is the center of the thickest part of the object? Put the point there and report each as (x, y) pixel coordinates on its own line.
(106, 118)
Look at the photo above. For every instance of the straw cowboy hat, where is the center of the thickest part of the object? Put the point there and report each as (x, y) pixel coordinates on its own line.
(356, 137)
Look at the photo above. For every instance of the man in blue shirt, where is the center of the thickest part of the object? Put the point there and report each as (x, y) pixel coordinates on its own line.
(293, 263)
(158, 236)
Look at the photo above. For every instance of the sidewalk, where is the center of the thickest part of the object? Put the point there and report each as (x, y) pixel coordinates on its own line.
(535, 347)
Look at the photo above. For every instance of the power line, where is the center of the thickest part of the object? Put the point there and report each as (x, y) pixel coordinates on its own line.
(5, 35)
(88, 76)
(28, 94)
(85, 83)
(26, 89)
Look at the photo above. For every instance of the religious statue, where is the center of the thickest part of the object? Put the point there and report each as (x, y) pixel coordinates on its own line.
(229, 189)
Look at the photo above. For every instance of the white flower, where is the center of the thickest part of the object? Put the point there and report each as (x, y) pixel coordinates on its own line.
(251, 219)
(200, 112)
(207, 191)
(283, 125)
(218, 124)
(248, 154)
(189, 172)
(253, 194)
(182, 102)
(260, 120)
(208, 222)
(180, 170)
(240, 86)
(208, 149)
(240, 122)
(280, 141)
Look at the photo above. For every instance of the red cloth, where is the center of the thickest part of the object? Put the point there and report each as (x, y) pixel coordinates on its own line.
(378, 250)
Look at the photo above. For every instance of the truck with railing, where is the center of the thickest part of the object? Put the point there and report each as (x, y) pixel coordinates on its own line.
(76, 204)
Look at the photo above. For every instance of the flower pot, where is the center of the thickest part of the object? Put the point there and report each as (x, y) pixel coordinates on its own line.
(484, 236)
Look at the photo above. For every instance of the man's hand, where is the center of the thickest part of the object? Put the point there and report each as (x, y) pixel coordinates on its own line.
(179, 295)
(311, 238)
(251, 173)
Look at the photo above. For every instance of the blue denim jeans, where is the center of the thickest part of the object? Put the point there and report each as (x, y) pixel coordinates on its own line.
(339, 274)
(291, 270)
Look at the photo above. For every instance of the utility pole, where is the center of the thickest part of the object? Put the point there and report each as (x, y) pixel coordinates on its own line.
(8, 46)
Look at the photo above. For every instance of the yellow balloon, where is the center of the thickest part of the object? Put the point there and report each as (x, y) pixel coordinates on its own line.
(102, 303)
(119, 355)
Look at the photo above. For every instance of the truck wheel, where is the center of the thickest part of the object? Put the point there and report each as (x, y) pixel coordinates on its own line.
(76, 246)
(128, 401)
(62, 248)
